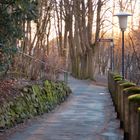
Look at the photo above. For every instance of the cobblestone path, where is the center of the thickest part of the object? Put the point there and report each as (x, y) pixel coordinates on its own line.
(88, 114)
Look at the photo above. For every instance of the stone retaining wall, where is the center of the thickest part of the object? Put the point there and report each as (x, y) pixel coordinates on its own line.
(126, 99)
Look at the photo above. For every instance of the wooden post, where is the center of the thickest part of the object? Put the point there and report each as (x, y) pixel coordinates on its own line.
(134, 104)
(138, 123)
(120, 92)
(121, 87)
(128, 92)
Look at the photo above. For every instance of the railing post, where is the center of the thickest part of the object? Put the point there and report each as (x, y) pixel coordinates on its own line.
(66, 77)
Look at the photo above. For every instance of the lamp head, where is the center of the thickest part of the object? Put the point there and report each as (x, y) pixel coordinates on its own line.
(122, 16)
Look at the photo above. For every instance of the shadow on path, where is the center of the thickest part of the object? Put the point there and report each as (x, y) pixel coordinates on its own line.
(88, 114)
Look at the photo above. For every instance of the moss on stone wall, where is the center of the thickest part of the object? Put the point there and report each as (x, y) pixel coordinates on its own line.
(31, 101)
(134, 98)
(117, 77)
(134, 90)
(127, 84)
(122, 81)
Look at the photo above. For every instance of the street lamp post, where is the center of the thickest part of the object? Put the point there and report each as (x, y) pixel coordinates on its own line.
(122, 16)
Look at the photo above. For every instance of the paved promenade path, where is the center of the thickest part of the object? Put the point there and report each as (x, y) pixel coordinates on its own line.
(88, 114)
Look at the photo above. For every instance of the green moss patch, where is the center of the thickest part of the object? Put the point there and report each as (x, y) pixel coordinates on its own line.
(134, 98)
(127, 84)
(118, 79)
(31, 101)
(115, 76)
(134, 90)
(122, 81)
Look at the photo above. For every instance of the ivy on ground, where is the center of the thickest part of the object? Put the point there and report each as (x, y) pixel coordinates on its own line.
(31, 101)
